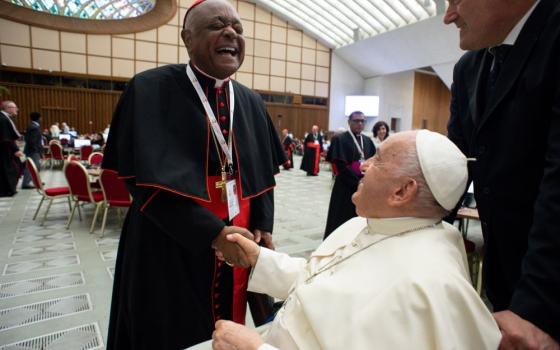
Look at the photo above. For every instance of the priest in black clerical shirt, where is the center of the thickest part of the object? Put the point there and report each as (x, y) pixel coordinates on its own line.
(199, 154)
(346, 153)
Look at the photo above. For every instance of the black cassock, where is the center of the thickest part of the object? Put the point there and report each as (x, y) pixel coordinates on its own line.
(345, 157)
(9, 173)
(312, 153)
(169, 288)
(288, 144)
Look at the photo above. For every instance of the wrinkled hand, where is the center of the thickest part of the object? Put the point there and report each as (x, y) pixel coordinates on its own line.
(232, 336)
(250, 249)
(519, 334)
(18, 154)
(264, 238)
(231, 253)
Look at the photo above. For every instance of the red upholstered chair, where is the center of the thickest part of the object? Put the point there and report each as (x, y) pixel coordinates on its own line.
(80, 190)
(72, 157)
(56, 153)
(95, 158)
(115, 193)
(85, 151)
(46, 193)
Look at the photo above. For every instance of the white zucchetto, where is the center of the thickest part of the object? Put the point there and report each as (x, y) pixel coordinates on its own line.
(444, 167)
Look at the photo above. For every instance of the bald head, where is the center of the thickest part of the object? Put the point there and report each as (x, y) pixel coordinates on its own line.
(10, 107)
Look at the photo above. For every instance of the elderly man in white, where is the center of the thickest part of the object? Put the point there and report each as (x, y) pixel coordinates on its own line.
(394, 278)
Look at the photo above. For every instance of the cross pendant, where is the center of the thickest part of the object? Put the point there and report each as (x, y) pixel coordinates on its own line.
(222, 184)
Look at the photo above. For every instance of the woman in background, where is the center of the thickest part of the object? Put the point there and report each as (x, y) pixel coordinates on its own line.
(380, 133)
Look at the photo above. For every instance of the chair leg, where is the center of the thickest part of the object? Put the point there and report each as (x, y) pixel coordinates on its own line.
(79, 212)
(97, 206)
(39, 207)
(71, 214)
(104, 220)
(47, 211)
(69, 204)
(479, 277)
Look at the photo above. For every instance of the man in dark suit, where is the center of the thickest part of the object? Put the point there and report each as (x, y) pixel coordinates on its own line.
(505, 112)
(33, 147)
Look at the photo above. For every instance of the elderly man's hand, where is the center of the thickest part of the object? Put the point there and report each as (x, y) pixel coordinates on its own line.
(232, 336)
(230, 252)
(263, 238)
(249, 248)
(520, 334)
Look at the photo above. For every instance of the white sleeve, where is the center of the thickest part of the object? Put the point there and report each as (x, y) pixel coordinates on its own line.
(266, 346)
(275, 273)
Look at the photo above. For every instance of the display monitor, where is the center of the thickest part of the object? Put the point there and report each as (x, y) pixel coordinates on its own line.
(80, 142)
(64, 137)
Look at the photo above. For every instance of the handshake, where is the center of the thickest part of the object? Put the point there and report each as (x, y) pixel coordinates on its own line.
(239, 247)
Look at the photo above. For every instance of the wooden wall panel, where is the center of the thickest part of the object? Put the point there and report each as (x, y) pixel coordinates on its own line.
(86, 110)
(91, 110)
(431, 103)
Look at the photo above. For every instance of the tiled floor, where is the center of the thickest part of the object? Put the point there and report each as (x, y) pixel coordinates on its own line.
(55, 284)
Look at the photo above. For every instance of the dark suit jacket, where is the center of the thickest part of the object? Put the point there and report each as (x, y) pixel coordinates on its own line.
(516, 141)
(33, 139)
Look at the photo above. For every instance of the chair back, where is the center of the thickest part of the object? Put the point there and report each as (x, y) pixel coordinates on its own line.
(95, 158)
(34, 174)
(56, 151)
(85, 151)
(73, 157)
(114, 189)
(78, 181)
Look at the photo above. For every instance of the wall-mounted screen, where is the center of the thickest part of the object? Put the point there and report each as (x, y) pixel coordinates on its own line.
(369, 105)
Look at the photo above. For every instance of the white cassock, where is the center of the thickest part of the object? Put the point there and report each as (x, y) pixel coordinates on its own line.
(393, 284)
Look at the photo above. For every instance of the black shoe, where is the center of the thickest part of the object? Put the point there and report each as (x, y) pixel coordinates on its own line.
(27, 187)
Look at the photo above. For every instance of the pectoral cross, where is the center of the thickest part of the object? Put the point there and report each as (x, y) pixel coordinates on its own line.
(222, 185)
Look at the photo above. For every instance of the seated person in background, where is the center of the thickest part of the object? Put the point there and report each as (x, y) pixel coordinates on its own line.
(394, 278)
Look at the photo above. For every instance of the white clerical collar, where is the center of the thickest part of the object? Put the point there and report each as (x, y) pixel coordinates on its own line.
(511, 38)
(395, 226)
(219, 83)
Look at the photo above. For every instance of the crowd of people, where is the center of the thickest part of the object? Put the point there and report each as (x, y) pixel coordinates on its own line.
(390, 273)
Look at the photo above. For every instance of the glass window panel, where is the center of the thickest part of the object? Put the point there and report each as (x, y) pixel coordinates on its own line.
(90, 9)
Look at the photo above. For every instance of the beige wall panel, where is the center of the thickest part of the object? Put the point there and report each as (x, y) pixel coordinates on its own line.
(44, 38)
(262, 31)
(261, 82)
(262, 65)
(277, 21)
(247, 65)
(246, 10)
(99, 65)
(182, 13)
(149, 35)
(262, 15)
(278, 68)
(322, 74)
(167, 53)
(249, 46)
(143, 66)
(185, 3)
(291, 26)
(245, 79)
(14, 56)
(146, 51)
(307, 72)
(123, 48)
(279, 34)
(46, 60)
(168, 34)
(278, 84)
(262, 48)
(14, 33)
(73, 42)
(322, 47)
(123, 68)
(294, 53)
(175, 20)
(183, 55)
(293, 70)
(248, 28)
(322, 89)
(278, 51)
(125, 36)
(309, 42)
(294, 37)
(307, 88)
(74, 63)
(99, 45)
(293, 86)
(323, 58)
(308, 56)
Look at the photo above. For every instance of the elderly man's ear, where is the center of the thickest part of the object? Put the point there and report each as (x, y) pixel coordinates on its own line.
(187, 38)
(404, 193)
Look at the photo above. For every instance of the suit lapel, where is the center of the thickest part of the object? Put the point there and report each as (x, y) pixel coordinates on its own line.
(516, 59)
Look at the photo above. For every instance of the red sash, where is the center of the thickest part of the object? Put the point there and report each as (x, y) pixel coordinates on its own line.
(317, 156)
(240, 275)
